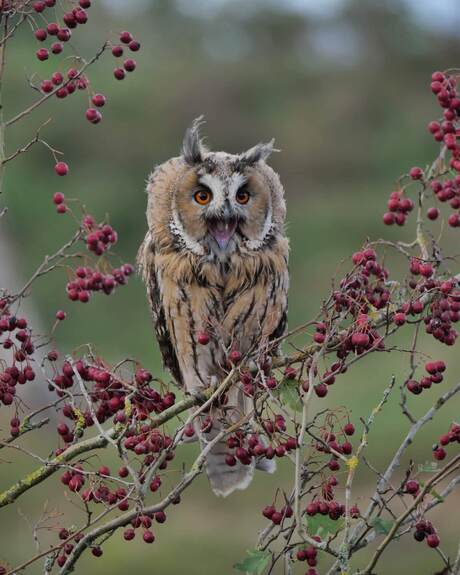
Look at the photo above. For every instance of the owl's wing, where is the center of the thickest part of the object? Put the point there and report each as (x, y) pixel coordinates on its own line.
(146, 264)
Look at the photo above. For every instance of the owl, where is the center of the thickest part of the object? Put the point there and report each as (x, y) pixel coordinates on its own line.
(215, 264)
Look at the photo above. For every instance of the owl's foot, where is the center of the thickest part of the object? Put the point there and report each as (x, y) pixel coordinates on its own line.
(199, 396)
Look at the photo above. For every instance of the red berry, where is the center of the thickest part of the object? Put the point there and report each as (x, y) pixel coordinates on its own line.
(235, 356)
(439, 453)
(134, 46)
(412, 486)
(414, 387)
(93, 115)
(39, 6)
(399, 318)
(42, 54)
(432, 540)
(61, 169)
(81, 16)
(432, 213)
(125, 37)
(58, 198)
(60, 315)
(129, 534)
(148, 536)
(117, 51)
(129, 65)
(61, 209)
(96, 551)
(47, 86)
(64, 34)
(57, 78)
(388, 218)
(349, 429)
(52, 29)
(203, 338)
(160, 516)
(416, 173)
(98, 100)
(321, 390)
(57, 48)
(41, 34)
(119, 73)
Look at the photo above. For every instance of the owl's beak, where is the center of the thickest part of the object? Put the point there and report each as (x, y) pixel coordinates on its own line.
(222, 231)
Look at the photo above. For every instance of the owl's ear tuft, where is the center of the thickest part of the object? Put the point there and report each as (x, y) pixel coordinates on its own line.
(258, 152)
(192, 146)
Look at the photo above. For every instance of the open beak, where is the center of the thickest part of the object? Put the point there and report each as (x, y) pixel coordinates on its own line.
(222, 230)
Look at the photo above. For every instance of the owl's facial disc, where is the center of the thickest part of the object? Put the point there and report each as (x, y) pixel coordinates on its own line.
(222, 230)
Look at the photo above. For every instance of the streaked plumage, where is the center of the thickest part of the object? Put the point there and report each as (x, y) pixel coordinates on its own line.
(218, 268)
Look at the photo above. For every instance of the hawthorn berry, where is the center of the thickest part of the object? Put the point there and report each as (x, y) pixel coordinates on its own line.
(117, 51)
(134, 46)
(60, 315)
(129, 65)
(42, 54)
(433, 540)
(203, 338)
(41, 34)
(148, 537)
(98, 100)
(93, 115)
(61, 169)
(416, 173)
(119, 73)
(126, 37)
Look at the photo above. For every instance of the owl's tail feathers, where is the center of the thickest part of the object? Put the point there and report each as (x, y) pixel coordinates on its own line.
(225, 479)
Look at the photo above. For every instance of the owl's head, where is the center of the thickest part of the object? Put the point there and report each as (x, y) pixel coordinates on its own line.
(218, 203)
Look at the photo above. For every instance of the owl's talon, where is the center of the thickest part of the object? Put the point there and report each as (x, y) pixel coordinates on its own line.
(199, 396)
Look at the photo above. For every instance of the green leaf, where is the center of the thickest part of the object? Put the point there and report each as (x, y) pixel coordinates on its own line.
(256, 562)
(323, 524)
(436, 495)
(428, 467)
(382, 526)
(288, 392)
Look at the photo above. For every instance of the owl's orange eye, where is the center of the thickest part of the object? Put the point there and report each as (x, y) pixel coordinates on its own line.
(242, 195)
(203, 196)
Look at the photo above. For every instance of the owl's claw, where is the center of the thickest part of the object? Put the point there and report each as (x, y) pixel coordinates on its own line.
(199, 396)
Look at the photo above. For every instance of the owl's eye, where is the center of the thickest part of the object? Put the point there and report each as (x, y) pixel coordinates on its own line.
(242, 195)
(203, 196)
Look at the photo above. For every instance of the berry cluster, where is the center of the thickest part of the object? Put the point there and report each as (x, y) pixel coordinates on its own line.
(444, 310)
(364, 287)
(453, 436)
(309, 554)
(64, 83)
(276, 517)
(447, 191)
(398, 209)
(108, 396)
(435, 369)
(67, 548)
(90, 280)
(100, 237)
(253, 446)
(443, 130)
(129, 65)
(332, 508)
(15, 335)
(424, 530)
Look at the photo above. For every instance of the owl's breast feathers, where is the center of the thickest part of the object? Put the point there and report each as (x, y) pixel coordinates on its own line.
(242, 304)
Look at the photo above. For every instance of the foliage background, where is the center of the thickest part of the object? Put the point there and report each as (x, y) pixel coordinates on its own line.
(345, 91)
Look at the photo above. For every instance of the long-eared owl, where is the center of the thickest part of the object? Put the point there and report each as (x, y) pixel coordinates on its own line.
(215, 264)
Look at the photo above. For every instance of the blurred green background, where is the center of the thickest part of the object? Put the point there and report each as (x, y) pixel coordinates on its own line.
(343, 86)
